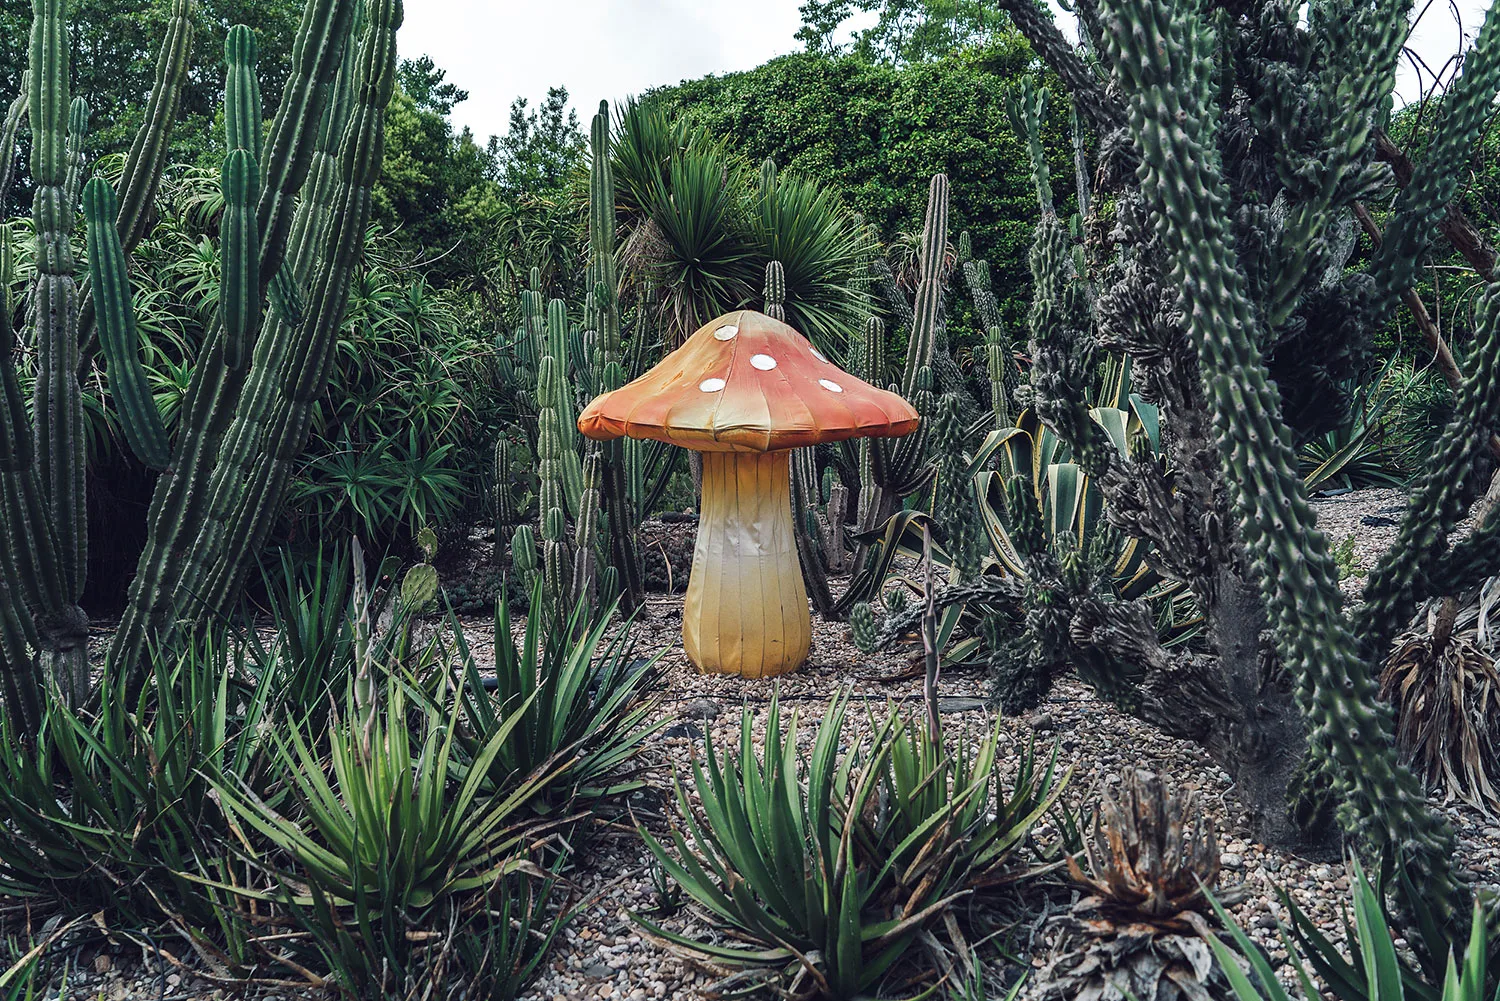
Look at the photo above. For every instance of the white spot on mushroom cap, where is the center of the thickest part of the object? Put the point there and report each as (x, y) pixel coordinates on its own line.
(830, 385)
(819, 355)
(726, 332)
(711, 385)
(763, 362)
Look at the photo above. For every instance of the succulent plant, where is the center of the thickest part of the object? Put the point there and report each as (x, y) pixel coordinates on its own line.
(1150, 866)
(241, 424)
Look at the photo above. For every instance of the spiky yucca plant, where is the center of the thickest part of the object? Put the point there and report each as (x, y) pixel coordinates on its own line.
(1136, 934)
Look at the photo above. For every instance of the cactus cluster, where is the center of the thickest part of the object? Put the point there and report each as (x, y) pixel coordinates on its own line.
(247, 410)
(597, 488)
(1223, 277)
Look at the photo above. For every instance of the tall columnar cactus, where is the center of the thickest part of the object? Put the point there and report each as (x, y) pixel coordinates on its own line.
(505, 500)
(1167, 60)
(618, 457)
(774, 292)
(115, 320)
(928, 309)
(210, 475)
(585, 581)
(10, 125)
(244, 476)
(953, 505)
(895, 468)
(808, 527)
(1026, 106)
(559, 400)
(46, 521)
(239, 236)
(245, 427)
(552, 493)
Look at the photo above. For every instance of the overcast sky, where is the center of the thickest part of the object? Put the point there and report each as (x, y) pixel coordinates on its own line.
(613, 48)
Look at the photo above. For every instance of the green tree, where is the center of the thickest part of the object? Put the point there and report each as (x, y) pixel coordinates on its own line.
(114, 59)
(433, 177)
(875, 133)
(541, 149)
(906, 31)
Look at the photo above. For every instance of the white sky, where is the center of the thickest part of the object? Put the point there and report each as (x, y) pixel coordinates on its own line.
(498, 51)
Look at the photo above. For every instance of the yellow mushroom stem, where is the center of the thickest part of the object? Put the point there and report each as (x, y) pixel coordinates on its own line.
(746, 607)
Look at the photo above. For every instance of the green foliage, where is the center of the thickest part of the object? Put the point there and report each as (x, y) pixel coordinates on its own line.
(715, 224)
(831, 864)
(583, 699)
(540, 149)
(141, 816)
(117, 77)
(433, 189)
(873, 134)
(905, 31)
(1374, 969)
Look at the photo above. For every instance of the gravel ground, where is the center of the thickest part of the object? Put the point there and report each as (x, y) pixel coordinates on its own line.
(602, 953)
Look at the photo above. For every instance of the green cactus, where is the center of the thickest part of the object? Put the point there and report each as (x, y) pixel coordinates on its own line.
(927, 310)
(246, 426)
(505, 498)
(953, 504)
(115, 319)
(42, 467)
(419, 585)
(999, 363)
(78, 129)
(893, 469)
(862, 628)
(621, 465)
(47, 521)
(585, 581)
(1026, 106)
(523, 555)
(239, 237)
(1167, 61)
(774, 291)
(10, 125)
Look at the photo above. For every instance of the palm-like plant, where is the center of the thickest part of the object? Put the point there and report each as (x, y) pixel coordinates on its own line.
(823, 251)
(699, 227)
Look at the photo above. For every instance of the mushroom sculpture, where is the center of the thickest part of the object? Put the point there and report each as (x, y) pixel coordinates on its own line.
(743, 390)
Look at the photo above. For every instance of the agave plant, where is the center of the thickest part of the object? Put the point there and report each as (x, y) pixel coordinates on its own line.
(1071, 507)
(1150, 867)
(567, 693)
(830, 866)
(140, 810)
(385, 824)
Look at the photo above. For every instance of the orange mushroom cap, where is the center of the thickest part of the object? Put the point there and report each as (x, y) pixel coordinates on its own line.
(747, 383)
